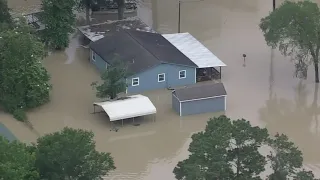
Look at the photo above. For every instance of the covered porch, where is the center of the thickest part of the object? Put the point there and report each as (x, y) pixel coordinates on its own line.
(209, 65)
(129, 107)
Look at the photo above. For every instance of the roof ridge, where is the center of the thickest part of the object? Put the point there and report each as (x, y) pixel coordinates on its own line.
(143, 46)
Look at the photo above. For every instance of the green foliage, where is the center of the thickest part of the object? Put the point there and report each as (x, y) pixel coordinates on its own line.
(304, 175)
(294, 28)
(228, 150)
(286, 159)
(5, 17)
(224, 145)
(245, 140)
(114, 80)
(71, 154)
(59, 18)
(16, 162)
(24, 82)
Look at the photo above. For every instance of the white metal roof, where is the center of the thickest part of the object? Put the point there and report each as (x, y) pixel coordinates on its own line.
(133, 106)
(194, 50)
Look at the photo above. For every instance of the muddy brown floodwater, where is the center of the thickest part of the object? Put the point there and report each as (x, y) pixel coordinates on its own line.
(263, 91)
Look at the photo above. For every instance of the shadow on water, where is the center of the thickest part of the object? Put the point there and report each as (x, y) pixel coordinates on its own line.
(298, 119)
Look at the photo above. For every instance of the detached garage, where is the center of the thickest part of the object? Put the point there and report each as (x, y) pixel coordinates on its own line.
(199, 99)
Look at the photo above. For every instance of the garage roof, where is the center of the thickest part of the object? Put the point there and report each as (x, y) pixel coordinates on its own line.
(194, 50)
(200, 92)
(129, 107)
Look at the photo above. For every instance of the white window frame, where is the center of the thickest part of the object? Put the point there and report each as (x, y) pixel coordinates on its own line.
(133, 80)
(185, 74)
(164, 77)
(93, 56)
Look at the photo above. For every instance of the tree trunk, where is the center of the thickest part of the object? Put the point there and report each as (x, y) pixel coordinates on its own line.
(88, 15)
(238, 162)
(120, 13)
(121, 7)
(316, 70)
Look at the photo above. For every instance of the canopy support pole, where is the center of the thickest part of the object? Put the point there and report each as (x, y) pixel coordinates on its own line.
(220, 72)
(122, 121)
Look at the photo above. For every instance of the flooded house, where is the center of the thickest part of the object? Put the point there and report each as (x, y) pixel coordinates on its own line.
(200, 99)
(156, 61)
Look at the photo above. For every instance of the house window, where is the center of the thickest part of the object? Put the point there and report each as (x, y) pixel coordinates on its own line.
(135, 81)
(93, 56)
(182, 74)
(161, 77)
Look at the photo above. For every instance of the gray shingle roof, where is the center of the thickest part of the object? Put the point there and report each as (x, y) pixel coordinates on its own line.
(198, 92)
(141, 50)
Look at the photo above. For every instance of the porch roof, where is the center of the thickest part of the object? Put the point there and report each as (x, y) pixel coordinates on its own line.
(194, 50)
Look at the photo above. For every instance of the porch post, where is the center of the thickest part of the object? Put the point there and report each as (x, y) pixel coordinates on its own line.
(220, 72)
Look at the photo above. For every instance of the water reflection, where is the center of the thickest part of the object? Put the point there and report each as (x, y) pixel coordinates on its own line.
(298, 119)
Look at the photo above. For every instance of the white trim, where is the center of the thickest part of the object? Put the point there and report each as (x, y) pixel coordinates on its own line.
(164, 77)
(185, 74)
(133, 80)
(179, 103)
(93, 56)
(225, 103)
(195, 75)
(203, 98)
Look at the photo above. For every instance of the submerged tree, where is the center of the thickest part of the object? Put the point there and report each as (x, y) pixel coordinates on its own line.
(87, 5)
(5, 17)
(24, 82)
(113, 80)
(59, 19)
(294, 28)
(121, 8)
(16, 162)
(71, 154)
(222, 147)
(285, 159)
(229, 150)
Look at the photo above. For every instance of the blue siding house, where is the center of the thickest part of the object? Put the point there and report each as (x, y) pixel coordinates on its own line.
(153, 62)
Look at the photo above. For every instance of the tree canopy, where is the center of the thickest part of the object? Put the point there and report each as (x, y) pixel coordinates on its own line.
(24, 82)
(113, 80)
(294, 28)
(59, 18)
(71, 154)
(67, 154)
(229, 150)
(16, 162)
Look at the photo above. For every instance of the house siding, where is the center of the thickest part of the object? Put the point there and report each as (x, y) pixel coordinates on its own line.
(175, 104)
(99, 62)
(148, 80)
(203, 106)
(6, 133)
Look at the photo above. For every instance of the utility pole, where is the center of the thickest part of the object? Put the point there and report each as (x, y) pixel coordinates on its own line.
(179, 18)
(179, 12)
(274, 4)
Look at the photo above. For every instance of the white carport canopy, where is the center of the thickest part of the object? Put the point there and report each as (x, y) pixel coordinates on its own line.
(130, 107)
(194, 50)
